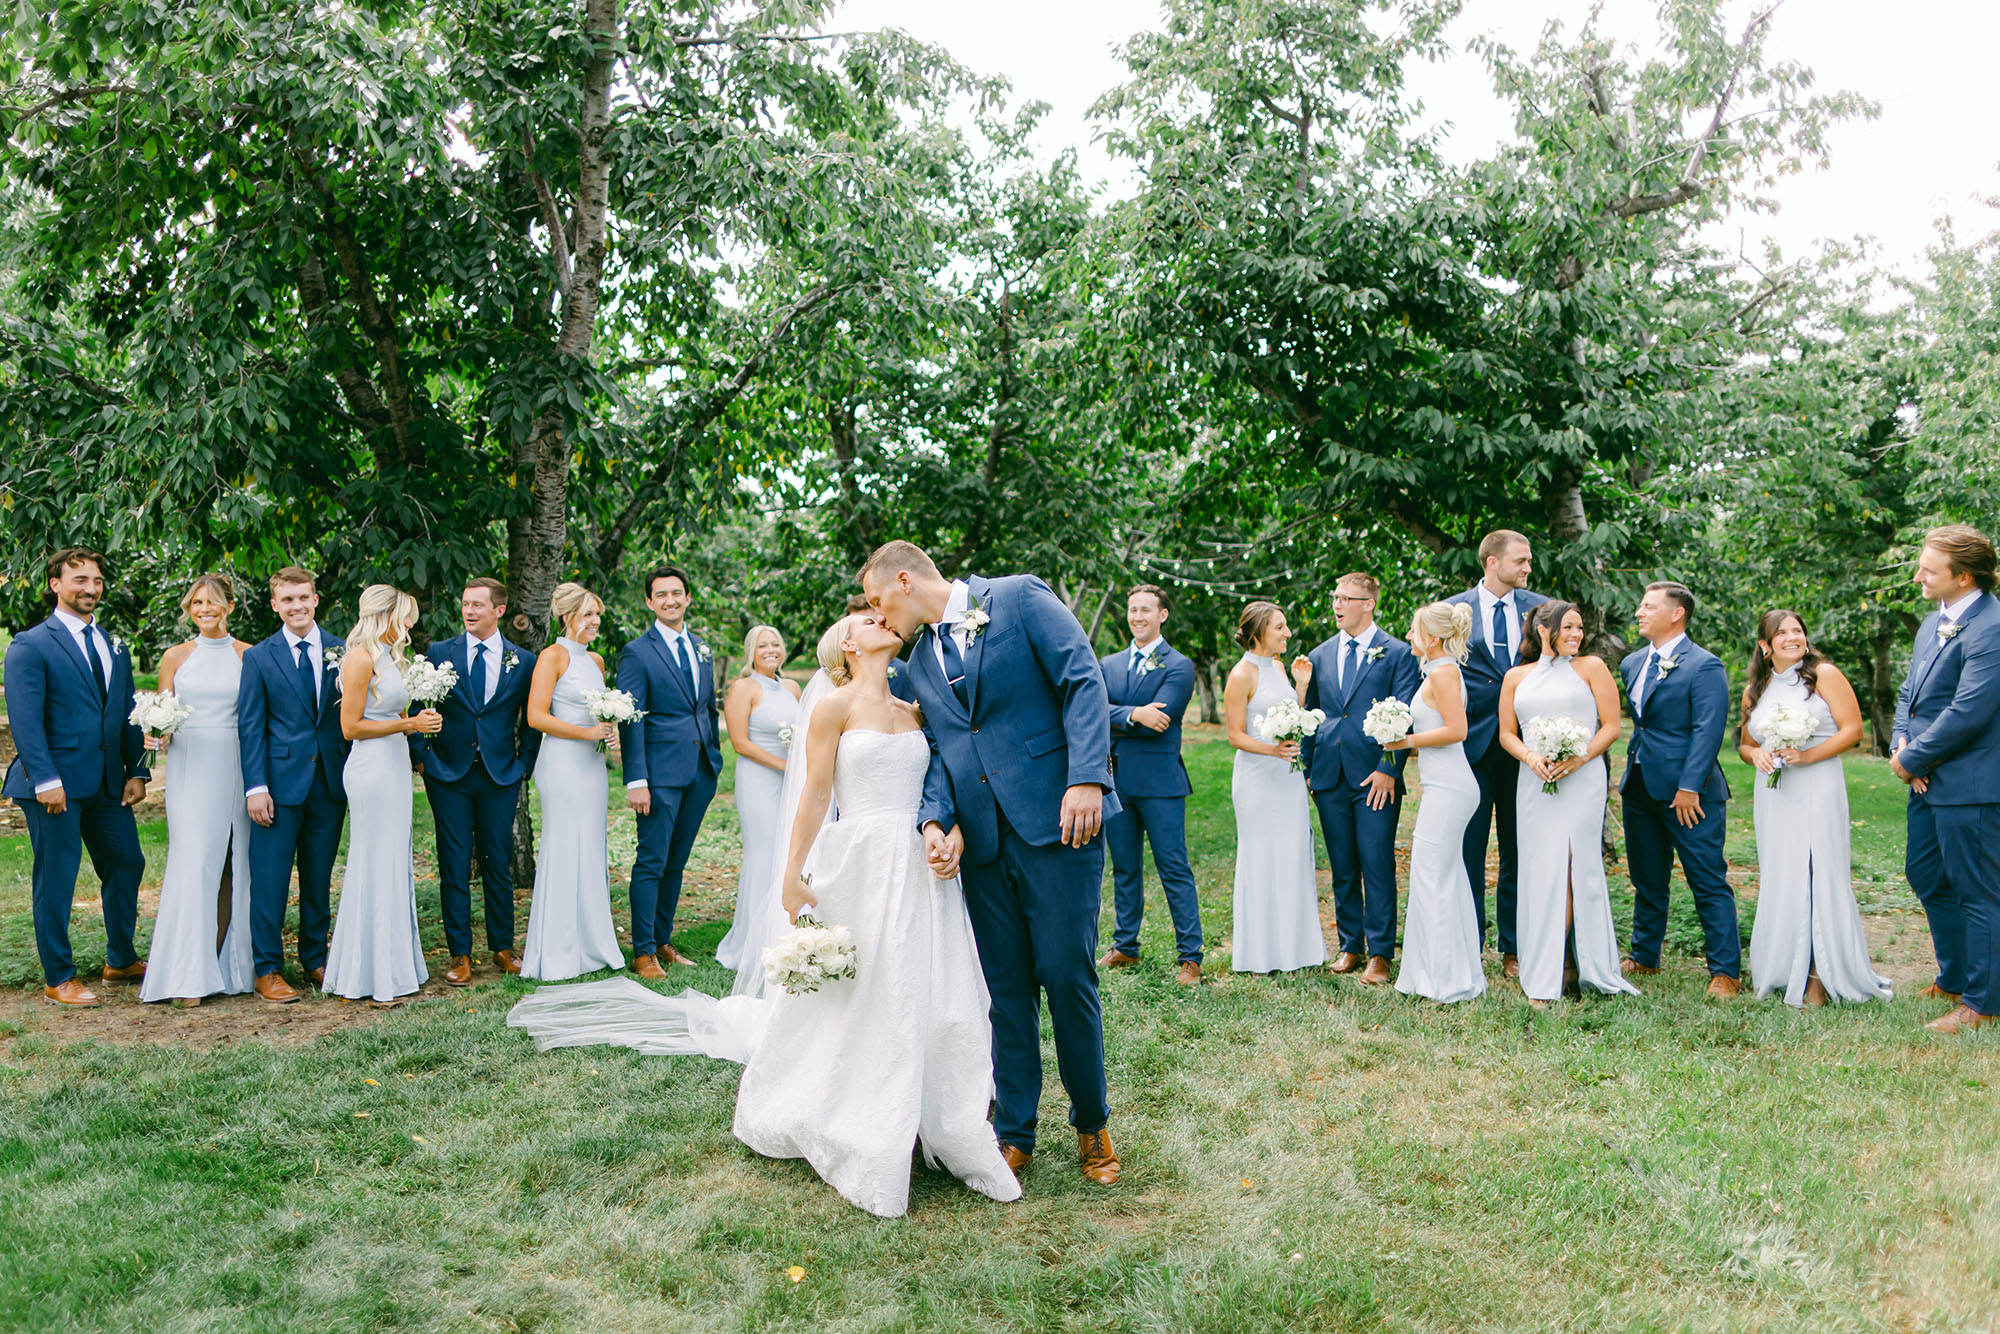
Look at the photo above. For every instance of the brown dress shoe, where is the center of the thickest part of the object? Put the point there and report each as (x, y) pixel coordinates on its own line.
(1723, 987)
(1188, 974)
(1633, 968)
(645, 965)
(1510, 965)
(1117, 959)
(273, 988)
(1376, 973)
(1016, 1158)
(460, 972)
(668, 954)
(1345, 962)
(71, 993)
(1936, 992)
(1962, 1020)
(504, 961)
(317, 976)
(1100, 1160)
(129, 973)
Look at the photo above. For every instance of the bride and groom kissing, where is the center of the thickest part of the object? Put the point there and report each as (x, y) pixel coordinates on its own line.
(966, 863)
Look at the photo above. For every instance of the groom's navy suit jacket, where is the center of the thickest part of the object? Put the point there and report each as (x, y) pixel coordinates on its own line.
(275, 728)
(63, 729)
(1340, 755)
(1039, 720)
(1146, 763)
(1484, 670)
(1676, 737)
(678, 735)
(1948, 710)
(493, 732)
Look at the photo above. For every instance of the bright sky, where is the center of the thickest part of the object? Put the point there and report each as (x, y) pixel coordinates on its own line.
(1935, 149)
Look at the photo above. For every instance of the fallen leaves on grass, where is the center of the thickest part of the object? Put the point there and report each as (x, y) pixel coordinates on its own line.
(796, 1273)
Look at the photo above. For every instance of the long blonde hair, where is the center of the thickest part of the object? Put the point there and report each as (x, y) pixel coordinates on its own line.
(1450, 623)
(832, 656)
(757, 632)
(382, 609)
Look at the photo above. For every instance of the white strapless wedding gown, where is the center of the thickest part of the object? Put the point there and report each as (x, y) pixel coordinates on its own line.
(853, 1076)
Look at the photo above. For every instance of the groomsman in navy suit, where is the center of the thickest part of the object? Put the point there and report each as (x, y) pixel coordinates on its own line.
(1150, 685)
(1947, 748)
(673, 756)
(473, 771)
(78, 770)
(1358, 789)
(1500, 604)
(288, 727)
(1675, 797)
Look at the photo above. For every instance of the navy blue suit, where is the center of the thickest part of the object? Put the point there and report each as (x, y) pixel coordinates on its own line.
(291, 743)
(1033, 722)
(472, 776)
(677, 752)
(1484, 669)
(1680, 721)
(1153, 788)
(70, 726)
(1360, 843)
(1948, 727)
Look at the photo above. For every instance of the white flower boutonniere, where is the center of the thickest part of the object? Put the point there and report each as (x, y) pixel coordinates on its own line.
(1373, 654)
(975, 618)
(1668, 663)
(1946, 632)
(895, 670)
(509, 661)
(117, 643)
(1148, 664)
(701, 651)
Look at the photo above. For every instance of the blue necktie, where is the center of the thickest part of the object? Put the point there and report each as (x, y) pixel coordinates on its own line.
(1346, 681)
(954, 665)
(96, 663)
(1647, 676)
(305, 668)
(687, 665)
(476, 678)
(1498, 641)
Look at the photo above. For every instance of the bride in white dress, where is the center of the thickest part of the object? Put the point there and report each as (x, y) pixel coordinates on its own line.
(1440, 926)
(853, 1076)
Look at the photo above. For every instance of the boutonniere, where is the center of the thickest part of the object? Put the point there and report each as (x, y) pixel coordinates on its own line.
(894, 671)
(1149, 663)
(975, 618)
(332, 657)
(1668, 663)
(509, 661)
(701, 651)
(1373, 654)
(1946, 633)
(117, 643)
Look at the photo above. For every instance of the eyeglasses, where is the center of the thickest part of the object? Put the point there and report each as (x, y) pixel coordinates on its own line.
(1339, 598)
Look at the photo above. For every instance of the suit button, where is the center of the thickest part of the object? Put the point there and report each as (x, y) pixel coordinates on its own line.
(975, 731)
(982, 778)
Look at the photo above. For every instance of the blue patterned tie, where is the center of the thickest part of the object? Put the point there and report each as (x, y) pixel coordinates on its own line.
(954, 666)
(1498, 641)
(96, 663)
(305, 669)
(687, 665)
(476, 678)
(1647, 677)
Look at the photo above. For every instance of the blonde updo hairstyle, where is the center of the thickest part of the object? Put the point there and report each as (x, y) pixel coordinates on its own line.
(384, 615)
(218, 586)
(832, 657)
(757, 632)
(1450, 623)
(570, 599)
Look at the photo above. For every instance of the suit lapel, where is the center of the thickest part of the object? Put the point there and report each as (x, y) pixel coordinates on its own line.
(975, 652)
(673, 666)
(1933, 649)
(72, 652)
(454, 654)
(289, 669)
(924, 658)
(1353, 682)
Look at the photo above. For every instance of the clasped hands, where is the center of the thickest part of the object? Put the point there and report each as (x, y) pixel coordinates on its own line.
(1081, 819)
(1917, 783)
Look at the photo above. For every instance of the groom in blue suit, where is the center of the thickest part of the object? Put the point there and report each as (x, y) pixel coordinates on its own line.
(1947, 748)
(78, 771)
(673, 756)
(1675, 797)
(294, 754)
(472, 775)
(1019, 788)
(1500, 604)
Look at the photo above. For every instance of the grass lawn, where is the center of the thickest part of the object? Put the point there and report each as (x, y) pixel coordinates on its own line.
(1300, 1153)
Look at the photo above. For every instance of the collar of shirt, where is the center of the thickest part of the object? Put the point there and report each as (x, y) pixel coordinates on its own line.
(1148, 650)
(293, 641)
(1671, 647)
(671, 637)
(957, 605)
(1487, 597)
(491, 643)
(1359, 641)
(74, 623)
(1953, 613)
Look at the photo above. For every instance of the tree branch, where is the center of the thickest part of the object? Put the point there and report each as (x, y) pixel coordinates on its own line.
(1690, 185)
(551, 215)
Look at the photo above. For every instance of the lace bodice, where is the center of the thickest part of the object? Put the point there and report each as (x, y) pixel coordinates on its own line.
(880, 773)
(389, 697)
(1786, 690)
(582, 674)
(1273, 686)
(1553, 689)
(207, 682)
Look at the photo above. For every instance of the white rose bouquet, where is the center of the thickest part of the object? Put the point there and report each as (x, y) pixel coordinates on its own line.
(158, 714)
(1288, 721)
(427, 681)
(1388, 720)
(612, 706)
(809, 956)
(1555, 737)
(1786, 728)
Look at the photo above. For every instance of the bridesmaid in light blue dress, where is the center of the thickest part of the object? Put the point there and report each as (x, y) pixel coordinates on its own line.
(376, 953)
(570, 932)
(201, 937)
(761, 710)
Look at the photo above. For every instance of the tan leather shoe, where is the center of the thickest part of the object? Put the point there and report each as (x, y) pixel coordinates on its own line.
(317, 976)
(1100, 1160)
(1188, 974)
(1723, 987)
(129, 973)
(273, 988)
(1510, 965)
(460, 972)
(71, 993)
(1114, 958)
(1016, 1158)
(504, 961)
(1936, 992)
(647, 966)
(1633, 968)
(1376, 973)
(668, 954)
(1961, 1020)
(1345, 962)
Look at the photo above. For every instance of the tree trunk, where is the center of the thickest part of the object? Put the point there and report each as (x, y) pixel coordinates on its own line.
(1211, 701)
(1882, 687)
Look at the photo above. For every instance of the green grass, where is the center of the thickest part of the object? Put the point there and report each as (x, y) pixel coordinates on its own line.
(1300, 1154)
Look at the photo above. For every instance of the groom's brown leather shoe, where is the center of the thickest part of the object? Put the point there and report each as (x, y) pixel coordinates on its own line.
(504, 961)
(1345, 962)
(1188, 974)
(1115, 958)
(1376, 973)
(130, 973)
(460, 972)
(668, 954)
(1633, 968)
(1016, 1158)
(71, 993)
(317, 976)
(646, 965)
(1936, 992)
(275, 989)
(1724, 987)
(1510, 965)
(1962, 1020)
(1100, 1160)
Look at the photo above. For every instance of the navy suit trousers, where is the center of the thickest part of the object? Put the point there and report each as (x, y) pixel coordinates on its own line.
(1163, 821)
(104, 825)
(1953, 862)
(1497, 772)
(475, 816)
(308, 834)
(1034, 916)
(1652, 838)
(666, 839)
(1361, 854)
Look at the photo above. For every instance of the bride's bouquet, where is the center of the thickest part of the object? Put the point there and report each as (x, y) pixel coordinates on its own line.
(1388, 720)
(809, 956)
(427, 681)
(158, 713)
(612, 706)
(1286, 721)
(1555, 737)
(1786, 728)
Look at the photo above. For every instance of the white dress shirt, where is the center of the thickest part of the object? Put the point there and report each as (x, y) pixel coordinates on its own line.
(1954, 612)
(75, 625)
(955, 608)
(1666, 650)
(1484, 629)
(1141, 652)
(1361, 643)
(317, 655)
(490, 646)
(671, 638)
